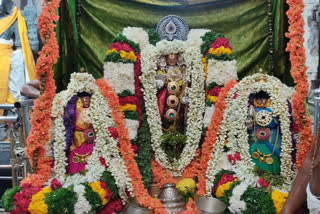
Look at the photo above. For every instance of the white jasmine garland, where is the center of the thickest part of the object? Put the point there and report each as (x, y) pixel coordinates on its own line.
(221, 72)
(132, 126)
(195, 37)
(82, 206)
(194, 73)
(236, 204)
(120, 76)
(105, 145)
(137, 35)
(233, 128)
(207, 115)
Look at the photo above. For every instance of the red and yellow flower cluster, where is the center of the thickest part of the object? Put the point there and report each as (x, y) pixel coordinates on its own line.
(124, 50)
(224, 184)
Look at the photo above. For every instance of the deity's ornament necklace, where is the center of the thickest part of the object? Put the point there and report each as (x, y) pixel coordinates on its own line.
(258, 154)
(83, 159)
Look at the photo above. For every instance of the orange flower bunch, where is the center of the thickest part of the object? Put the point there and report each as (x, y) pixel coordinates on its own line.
(211, 135)
(162, 175)
(41, 116)
(298, 72)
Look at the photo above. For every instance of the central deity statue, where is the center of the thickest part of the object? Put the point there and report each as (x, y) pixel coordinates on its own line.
(172, 94)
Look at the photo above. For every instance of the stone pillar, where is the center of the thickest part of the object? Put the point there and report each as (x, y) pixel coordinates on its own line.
(311, 44)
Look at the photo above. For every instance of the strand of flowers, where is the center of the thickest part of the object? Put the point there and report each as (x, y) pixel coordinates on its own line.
(40, 118)
(127, 153)
(211, 135)
(162, 176)
(105, 146)
(126, 150)
(298, 72)
(82, 205)
(137, 88)
(194, 70)
(233, 126)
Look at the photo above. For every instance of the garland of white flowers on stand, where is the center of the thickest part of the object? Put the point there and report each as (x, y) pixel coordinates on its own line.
(233, 127)
(105, 145)
(194, 72)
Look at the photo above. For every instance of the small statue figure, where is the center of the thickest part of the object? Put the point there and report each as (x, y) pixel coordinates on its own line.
(84, 136)
(172, 84)
(264, 135)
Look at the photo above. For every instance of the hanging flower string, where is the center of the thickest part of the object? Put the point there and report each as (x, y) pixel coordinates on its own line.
(211, 135)
(128, 154)
(126, 150)
(40, 118)
(298, 72)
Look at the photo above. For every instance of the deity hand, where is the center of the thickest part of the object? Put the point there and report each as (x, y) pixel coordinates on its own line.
(89, 135)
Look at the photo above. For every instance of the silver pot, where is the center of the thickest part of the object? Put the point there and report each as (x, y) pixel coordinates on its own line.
(133, 207)
(209, 205)
(170, 198)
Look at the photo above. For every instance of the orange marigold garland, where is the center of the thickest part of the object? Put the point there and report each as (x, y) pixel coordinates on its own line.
(207, 146)
(126, 151)
(40, 118)
(298, 72)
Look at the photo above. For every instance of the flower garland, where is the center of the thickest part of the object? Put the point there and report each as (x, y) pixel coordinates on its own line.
(211, 135)
(233, 126)
(37, 204)
(126, 150)
(196, 96)
(127, 153)
(105, 146)
(162, 176)
(137, 35)
(40, 118)
(298, 72)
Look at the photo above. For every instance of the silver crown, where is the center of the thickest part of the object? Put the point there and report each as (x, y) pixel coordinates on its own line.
(172, 27)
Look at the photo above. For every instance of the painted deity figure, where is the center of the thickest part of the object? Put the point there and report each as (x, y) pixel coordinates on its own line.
(172, 86)
(84, 135)
(264, 135)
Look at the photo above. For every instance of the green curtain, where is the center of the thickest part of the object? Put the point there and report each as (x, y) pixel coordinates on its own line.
(243, 22)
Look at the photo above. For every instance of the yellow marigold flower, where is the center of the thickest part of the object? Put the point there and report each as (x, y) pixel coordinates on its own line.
(205, 66)
(222, 188)
(123, 54)
(212, 99)
(128, 107)
(279, 198)
(101, 192)
(111, 51)
(228, 51)
(37, 205)
(132, 56)
(186, 184)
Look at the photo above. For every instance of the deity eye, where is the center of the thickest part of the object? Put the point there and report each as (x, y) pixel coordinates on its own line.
(90, 134)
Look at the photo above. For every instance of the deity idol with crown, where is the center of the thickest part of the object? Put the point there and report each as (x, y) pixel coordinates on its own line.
(177, 76)
(254, 153)
(264, 134)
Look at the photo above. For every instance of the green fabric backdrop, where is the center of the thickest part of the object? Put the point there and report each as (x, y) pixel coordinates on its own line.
(243, 22)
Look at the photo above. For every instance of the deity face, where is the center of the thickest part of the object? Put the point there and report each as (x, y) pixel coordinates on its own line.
(172, 59)
(86, 101)
(262, 103)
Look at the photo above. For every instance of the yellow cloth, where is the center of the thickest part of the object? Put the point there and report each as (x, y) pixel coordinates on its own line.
(6, 51)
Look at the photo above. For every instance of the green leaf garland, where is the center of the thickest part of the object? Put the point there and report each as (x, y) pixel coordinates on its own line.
(7, 200)
(61, 200)
(208, 39)
(93, 197)
(111, 184)
(122, 39)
